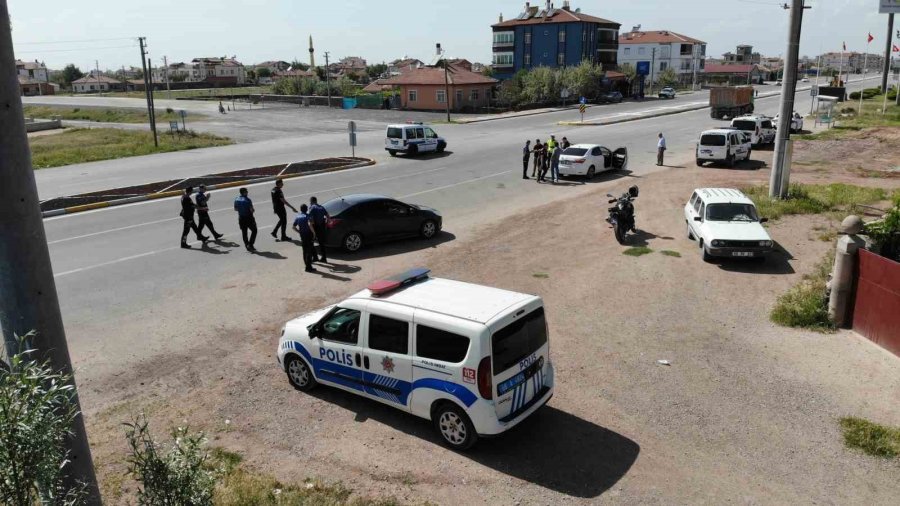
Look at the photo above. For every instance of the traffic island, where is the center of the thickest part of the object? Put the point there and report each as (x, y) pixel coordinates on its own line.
(175, 187)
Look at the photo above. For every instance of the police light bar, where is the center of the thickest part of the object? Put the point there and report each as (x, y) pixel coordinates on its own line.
(383, 286)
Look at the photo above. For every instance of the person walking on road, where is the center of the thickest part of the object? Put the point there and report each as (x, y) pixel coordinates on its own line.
(536, 168)
(319, 216)
(244, 207)
(307, 236)
(278, 205)
(660, 149)
(203, 212)
(554, 164)
(187, 214)
(526, 154)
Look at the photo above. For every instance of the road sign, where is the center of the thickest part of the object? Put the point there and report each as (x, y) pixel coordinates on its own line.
(582, 108)
(351, 126)
(814, 91)
(643, 68)
(173, 126)
(565, 93)
(889, 6)
(351, 129)
(582, 100)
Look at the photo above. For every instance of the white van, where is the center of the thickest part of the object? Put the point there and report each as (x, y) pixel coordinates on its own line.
(761, 128)
(412, 138)
(474, 360)
(724, 145)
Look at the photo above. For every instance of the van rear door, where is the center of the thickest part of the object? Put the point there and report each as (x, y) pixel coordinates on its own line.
(519, 355)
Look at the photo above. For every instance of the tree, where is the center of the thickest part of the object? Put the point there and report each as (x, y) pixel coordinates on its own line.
(299, 65)
(629, 71)
(263, 72)
(71, 73)
(320, 73)
(375, 71)
(667, 77)
(582, 80)
(540, 85)
(487, 71)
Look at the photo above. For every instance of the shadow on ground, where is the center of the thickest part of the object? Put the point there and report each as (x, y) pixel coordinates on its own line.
(777, 262)
(424, 156)
(552, 448)
(392, 248)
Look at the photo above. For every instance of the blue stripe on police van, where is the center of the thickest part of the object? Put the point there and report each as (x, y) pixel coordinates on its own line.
(515, 399)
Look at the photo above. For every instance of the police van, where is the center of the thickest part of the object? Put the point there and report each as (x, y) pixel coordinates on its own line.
(475, 360)
(412, 138)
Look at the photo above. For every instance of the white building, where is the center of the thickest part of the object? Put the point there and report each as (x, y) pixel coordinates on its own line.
(35, 70)
(222, 71)
(663, 49)
(93, 83)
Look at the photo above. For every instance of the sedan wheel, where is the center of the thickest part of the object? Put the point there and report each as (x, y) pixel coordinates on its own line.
(353, 242)
(591, 172)
(429, 229)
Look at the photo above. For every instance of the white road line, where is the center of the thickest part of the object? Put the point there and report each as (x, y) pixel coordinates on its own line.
(111, 262)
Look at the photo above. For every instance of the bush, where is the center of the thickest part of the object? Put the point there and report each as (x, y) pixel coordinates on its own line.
(872, 438)
(866, 94)
(179, 475)
(37, 409)
(885, 233)
(170, 110)
(805, 305)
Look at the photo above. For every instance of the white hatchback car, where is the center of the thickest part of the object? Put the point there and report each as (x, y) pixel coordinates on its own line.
(724, 222)
(591, 159)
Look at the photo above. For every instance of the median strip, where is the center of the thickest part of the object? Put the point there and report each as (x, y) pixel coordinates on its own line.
(175, 187)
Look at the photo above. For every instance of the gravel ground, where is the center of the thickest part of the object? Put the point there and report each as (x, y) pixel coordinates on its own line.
(746, 412)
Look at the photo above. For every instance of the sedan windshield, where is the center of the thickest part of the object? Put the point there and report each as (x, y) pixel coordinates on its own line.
(731, 212)
(575, 151)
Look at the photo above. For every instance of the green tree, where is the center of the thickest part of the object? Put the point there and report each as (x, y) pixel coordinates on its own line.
(71, 73)
(263, 72)
(510, 93)
(540, 86)
(667, 77)
(487, 71)
(375, 71)
(308, 86)
(629, 71)
(299, 65)
(583, 80)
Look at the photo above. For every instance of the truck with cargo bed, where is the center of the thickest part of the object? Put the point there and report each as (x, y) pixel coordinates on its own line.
(730, 101)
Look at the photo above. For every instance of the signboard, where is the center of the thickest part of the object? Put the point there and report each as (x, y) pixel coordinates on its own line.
(173, 126)
(582, 100)
(643, 68)
(814, 91)
(565, 93)
(889, 6)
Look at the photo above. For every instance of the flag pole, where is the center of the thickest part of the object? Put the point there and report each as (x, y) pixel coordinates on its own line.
(865, 68)
(841, 67)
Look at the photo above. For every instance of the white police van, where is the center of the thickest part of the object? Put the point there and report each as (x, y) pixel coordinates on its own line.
(412, 138)
(474, 360)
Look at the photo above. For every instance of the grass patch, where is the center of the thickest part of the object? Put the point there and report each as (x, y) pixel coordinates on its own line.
(870, 117)
(813, 199)
(88, 145)
(872, 438)
(203, 92)
(670, 253)
(540, 275)
(805, 305)
(637, 251)
(100, 114)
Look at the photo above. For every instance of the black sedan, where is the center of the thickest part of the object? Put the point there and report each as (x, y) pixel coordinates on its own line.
(609, 97)
(364, 219)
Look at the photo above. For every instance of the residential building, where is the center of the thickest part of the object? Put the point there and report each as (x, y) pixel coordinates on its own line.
(29, 87)
(220, 71)
(663, 49)
(273, 66)
(478, 67)
(743, 55)
(732, 74)
(397, 67)
(425, 89)
(461, 63)
(295, 74)
(851, 61)
(553, 37)
(32, 70)
(94, 83)
(352, 66)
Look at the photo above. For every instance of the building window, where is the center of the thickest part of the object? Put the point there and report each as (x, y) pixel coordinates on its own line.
(546, 33)
(503, 59)
(627, 51)
(583, 35)
(474, 96)
(665, 51)
(640, 51)
(504, 38)
(459, 97)
(441, 96)
(561, 59)
(527, 59)
(562, 36)
(663, 65)
(527, 38)
(413, 95)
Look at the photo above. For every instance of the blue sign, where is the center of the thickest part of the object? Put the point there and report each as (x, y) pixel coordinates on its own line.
(643, 68)
(582, 100)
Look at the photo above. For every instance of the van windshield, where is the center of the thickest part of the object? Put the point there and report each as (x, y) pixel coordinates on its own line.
(519, 339)
(394, 133)
(744, 125)
(712, 140)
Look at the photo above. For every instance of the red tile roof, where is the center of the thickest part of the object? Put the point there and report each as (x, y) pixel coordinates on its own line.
(729, 69)
(376, 86)
(559, 16)
(656, 37)
(89, 79)
(435, 75)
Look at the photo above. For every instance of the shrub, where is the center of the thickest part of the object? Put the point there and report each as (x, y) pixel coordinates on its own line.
(805, 305)
(872, 438)
(885, 233)
(37, 409)
(170, 110)
(179, 475)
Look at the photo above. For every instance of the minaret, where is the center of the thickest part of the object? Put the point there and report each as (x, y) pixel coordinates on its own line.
(312, 55)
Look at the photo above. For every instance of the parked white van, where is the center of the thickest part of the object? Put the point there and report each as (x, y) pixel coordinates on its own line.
(474, 360)
(761, 128)
(723, 146)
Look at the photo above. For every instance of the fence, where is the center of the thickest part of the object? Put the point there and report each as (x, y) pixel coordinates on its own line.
(876, 310)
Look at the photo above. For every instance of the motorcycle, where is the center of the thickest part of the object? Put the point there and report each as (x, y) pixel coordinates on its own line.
(621, 215)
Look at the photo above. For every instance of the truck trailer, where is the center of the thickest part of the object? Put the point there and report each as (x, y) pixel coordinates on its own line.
(730, 101)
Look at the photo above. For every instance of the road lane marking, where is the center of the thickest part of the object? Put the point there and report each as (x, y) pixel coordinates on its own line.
(455, 184)
(111, 262)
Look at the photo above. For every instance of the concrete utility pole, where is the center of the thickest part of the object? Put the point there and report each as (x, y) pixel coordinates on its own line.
(97, 70)
(152, 101)
(781, 172)
(28, 299)
(887, 55)
(327, 79)
(166, 74)
(149, 93)
(652, 69)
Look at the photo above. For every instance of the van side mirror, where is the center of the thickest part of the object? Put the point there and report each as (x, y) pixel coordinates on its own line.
(698, 218)
(313, 331)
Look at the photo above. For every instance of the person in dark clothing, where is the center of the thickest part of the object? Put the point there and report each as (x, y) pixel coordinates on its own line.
(526, 154)
(319, 216)
(535, 171)
(244, 207)
(307, 236)
(203, 212)
(187, 213)
(565, 143)
(278, 204)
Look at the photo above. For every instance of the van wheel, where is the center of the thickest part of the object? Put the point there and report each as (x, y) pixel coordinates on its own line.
(413, 150)
(441, 147)
(699, 163)
(392, 152)
(299, 374)
(352, 242)
(454, 427)
(729, 160)
(591, 172)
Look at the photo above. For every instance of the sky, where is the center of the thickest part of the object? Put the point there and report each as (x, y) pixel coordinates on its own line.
(59, 32)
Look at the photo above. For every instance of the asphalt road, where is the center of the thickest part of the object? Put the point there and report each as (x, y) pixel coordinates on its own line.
(118, 268)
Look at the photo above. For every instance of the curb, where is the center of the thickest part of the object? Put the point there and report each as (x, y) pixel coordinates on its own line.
(176, 193)
(522, 115)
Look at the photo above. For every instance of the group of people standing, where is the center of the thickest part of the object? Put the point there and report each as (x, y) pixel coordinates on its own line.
(546, 158)
(311, 222)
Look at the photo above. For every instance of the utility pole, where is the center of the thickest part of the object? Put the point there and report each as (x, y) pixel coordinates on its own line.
(327, 79)
(97, 70)
(652, 69)
(887, 55)
(152, 101)
(812, 100)
(695, 52)
(166, 73)
(149, 93)
(780, 178)
(28, 299)
(446, 82)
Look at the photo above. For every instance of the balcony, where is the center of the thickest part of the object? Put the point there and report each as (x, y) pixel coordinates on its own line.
(607, 46)
(501, 65)
(504, 44)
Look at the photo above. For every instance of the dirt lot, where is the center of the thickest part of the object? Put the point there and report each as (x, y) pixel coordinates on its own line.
(746, 412)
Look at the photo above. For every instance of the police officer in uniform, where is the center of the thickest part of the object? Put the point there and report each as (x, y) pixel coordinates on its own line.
(319, 217)
(307, 236)
(278, 204)
(244, 207)
(203, 212)
(187, 213)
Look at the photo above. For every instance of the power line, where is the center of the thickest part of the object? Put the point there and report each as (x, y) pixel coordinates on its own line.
(73, 41)
(84, 49)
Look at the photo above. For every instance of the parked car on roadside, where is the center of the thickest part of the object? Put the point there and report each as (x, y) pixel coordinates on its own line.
(725, 223)
(761, 128)
(609, 97)
(356, 220)
(667, 92)
(590, 159)
(723, 145)
(796, 122)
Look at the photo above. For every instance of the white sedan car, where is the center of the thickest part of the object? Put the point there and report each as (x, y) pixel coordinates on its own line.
(590, 159)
